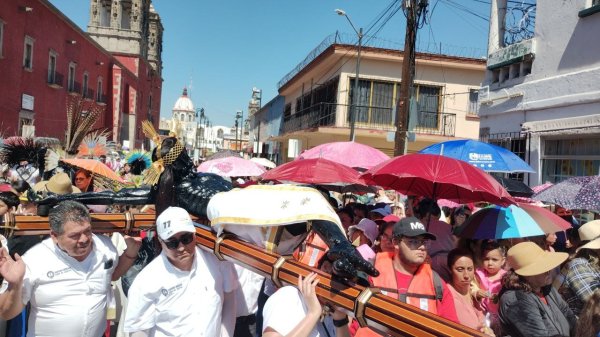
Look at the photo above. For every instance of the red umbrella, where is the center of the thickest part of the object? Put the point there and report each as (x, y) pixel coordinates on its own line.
(317, 171)
(351, 154)
(436, 176)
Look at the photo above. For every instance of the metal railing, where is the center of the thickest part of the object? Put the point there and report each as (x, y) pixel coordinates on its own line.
(376, 42)
(55, 79)
(367, 117)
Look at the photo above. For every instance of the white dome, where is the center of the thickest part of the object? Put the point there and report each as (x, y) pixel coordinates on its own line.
(184, 103)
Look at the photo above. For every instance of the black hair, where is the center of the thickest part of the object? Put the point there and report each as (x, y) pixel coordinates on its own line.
(428, 206)
(20, 185)
(10, 199)
(456, 254)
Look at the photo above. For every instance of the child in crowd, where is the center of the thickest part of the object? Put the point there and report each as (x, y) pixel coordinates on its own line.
(489, 277)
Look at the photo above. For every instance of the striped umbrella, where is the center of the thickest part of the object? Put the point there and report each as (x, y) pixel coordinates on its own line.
(520, 221)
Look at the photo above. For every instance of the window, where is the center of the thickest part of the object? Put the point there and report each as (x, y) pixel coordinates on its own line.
(52, 67)
(564, 158)
(28, 53)
(428, 106)
(182, 117)
(99, 90)
(84, 90)
(189, 118)
(71, 78)
(473, 107)
(1, 37)
(375, 101)
(220, 133)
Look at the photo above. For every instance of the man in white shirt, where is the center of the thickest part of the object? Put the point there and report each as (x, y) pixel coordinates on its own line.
(66, 278)
(184, 291)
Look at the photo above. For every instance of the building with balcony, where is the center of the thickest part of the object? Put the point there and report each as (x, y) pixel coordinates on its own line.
(45, 58)
(540, 96)
(318, 98)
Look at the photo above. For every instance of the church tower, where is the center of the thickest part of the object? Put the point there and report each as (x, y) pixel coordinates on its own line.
(128, 27)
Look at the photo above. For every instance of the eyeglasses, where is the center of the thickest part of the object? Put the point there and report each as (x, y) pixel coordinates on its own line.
(416, 243)
(79, 179)
(185, 239)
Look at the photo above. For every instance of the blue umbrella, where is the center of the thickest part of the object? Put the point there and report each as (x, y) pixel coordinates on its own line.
(488, 157)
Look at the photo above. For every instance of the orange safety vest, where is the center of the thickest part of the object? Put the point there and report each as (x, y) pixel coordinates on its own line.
(311, 250)
(424, 290)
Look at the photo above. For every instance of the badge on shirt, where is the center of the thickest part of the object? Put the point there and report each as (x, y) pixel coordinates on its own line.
(108, 264)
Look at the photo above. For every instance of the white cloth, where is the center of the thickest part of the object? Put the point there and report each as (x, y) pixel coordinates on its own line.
(284, 310)
(167, 301)
(247, 293)
(68, 297)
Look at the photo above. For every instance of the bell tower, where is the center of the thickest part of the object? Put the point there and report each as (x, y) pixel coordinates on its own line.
(131, 27)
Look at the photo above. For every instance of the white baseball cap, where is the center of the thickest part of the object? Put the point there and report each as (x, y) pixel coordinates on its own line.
(172, 221)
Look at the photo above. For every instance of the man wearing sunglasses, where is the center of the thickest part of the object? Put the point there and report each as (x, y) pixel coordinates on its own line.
(184, 291)
(406, 274)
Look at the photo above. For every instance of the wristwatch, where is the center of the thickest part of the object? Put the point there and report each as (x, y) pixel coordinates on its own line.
(338, 323)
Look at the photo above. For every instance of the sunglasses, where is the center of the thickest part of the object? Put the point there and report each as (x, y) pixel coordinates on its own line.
(184, 239)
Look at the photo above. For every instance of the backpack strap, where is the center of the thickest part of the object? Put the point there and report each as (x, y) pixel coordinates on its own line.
(438, 286)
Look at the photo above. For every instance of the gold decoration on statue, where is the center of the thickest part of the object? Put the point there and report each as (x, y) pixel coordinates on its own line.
(158, 166)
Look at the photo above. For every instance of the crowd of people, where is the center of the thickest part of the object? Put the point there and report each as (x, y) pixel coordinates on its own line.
(66, 283)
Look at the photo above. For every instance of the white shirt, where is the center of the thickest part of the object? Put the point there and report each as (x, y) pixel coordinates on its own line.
(284, 310)
(68, 297)
(247, 294)
(171, 302)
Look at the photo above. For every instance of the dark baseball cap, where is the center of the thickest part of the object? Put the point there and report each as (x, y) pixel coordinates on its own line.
(411, 227)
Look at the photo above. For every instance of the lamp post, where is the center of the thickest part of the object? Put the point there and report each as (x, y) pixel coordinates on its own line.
(200, 117)
(239, 115)
(238, 118)
(354, 102)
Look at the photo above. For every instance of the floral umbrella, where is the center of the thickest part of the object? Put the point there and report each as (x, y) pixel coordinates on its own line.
(574, 193)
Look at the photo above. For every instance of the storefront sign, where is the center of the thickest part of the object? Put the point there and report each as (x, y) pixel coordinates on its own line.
(27, 102)
(511, 54)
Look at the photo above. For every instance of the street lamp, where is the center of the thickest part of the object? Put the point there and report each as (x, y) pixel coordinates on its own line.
(200, 117)
(354, 102)
(239, 115)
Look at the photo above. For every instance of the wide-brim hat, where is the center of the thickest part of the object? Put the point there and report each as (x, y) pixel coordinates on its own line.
(594, 244)
(529, 259)
(589, 230)
(59, 184)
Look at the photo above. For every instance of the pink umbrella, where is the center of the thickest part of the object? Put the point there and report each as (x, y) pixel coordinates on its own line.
(231, 167)
(539, 188)
(351, 154)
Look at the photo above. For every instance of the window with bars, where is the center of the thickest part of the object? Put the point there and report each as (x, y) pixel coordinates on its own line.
(376, 101)
(473, 107)
(84, 88)
(99, 90)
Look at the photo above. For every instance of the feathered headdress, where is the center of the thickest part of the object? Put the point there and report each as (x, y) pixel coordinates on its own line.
(93, 144)
(16, 149)
(81, 117)
(157, 168)
(139, 161)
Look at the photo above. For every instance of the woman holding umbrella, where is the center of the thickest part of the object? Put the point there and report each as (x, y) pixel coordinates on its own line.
(529, 305)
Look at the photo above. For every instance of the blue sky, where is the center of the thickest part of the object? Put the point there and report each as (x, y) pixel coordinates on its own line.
(224, 48)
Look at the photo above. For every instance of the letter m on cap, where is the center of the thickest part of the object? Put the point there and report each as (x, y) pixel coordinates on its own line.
(416, 225)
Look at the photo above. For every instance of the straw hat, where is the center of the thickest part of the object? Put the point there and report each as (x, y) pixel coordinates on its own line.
(59, 184)
(589, 231)
(528, 259)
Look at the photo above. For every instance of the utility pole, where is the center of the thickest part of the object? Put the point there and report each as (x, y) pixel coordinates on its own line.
(413, 10)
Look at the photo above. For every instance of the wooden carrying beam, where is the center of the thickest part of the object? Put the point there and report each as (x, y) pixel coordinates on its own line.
(380, 312)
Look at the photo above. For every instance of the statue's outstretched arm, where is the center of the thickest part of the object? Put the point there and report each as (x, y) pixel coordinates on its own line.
(346, 260)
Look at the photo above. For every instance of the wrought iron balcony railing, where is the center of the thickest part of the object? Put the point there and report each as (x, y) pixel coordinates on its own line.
(367, 117)
(55, 79)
